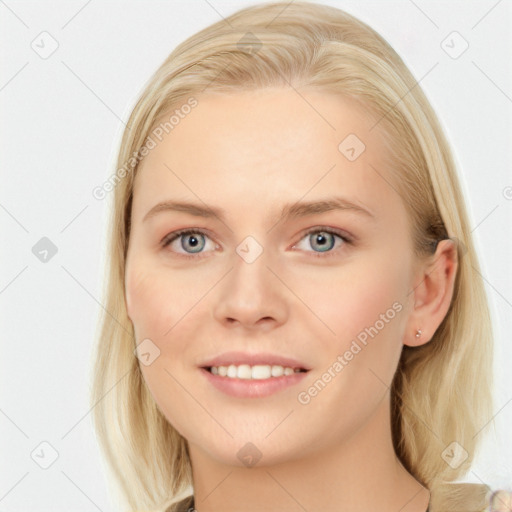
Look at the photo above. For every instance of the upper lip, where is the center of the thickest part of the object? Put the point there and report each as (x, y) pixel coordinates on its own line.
(238, 358)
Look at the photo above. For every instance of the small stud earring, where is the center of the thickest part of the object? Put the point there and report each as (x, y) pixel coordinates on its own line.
(418, 333)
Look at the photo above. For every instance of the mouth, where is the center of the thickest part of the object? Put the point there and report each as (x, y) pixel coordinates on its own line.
(253, 372)
(253, 375)
(252, 381)
(246, 365)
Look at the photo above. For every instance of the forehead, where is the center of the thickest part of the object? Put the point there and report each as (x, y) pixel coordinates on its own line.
(251, 149)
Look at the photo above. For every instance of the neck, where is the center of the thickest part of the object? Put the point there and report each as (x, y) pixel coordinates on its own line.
(359, 473)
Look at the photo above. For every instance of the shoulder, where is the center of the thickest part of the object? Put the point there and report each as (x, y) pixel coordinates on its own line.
(463, 497)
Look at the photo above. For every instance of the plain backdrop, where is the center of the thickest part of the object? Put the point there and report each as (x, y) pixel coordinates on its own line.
(61, 121)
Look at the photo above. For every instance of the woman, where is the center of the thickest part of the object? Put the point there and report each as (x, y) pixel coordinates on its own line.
(297, 318)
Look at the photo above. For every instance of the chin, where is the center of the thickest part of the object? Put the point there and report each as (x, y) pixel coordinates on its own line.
(251, 449)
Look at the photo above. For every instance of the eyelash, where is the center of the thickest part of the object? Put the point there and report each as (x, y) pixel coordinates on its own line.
(317, 229)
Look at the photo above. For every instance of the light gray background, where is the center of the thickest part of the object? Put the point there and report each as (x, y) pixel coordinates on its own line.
(61, 122)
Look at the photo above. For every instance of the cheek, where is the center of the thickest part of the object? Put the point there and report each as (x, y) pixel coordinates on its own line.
(354, 305)
(162, 303)
(150, 300)
(170, 307)
(361, 295)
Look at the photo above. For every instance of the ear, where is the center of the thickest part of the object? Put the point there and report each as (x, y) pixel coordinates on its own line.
(433, 292)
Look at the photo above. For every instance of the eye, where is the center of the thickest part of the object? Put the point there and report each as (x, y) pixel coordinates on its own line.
(192, 240)
(324, 239)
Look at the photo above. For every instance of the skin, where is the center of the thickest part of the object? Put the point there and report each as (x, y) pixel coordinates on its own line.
(502, 501)
(250, 153)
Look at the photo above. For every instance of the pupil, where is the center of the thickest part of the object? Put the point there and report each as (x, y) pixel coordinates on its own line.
(321, 240)
(191, 242)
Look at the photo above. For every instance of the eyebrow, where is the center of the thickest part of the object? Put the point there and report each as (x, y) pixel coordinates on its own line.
(291, 210)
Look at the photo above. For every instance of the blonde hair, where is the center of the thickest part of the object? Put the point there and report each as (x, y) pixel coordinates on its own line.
(442, 390)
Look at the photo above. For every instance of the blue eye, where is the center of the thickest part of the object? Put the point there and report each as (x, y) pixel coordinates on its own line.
(193, 241)
(324, 240)
(190, 239)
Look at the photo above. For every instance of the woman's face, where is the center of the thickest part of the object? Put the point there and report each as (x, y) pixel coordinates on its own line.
(254, 281)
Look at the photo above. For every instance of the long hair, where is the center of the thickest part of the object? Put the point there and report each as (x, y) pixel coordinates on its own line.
(441, 396)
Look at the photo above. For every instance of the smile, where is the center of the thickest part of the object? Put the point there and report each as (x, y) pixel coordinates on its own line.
(259, 371)
(258, 381)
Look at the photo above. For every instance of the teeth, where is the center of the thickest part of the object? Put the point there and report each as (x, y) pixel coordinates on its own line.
(258, 371)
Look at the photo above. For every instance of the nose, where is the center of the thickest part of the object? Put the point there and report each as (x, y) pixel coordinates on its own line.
(251, 295)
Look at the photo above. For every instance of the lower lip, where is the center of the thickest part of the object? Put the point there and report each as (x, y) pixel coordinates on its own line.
(252, 388)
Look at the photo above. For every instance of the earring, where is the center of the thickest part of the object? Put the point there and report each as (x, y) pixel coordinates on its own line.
(418, 333)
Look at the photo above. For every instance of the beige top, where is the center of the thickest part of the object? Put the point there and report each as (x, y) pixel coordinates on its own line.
(458, 497)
